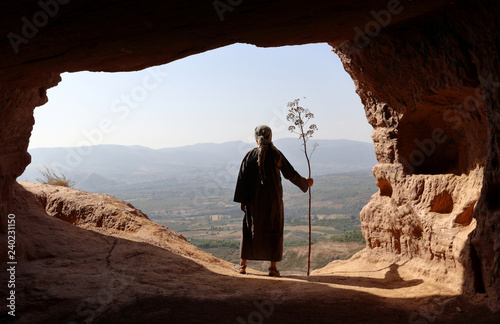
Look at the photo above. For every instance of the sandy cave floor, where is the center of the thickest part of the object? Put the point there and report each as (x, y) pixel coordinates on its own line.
(179, 290)
(74, 275)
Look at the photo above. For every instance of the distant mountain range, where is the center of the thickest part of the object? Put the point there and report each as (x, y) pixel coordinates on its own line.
(97, 168)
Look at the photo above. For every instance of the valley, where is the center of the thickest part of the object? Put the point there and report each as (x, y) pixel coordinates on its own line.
(190, 190)
(213, 221)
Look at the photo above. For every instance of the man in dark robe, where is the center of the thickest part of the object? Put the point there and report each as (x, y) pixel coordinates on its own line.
(260, 193)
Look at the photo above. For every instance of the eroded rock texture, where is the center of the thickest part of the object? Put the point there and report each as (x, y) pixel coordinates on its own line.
(427, 72)
(430, 90)
(16, 122)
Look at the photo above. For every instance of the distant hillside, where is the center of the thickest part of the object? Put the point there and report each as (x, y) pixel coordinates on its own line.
(331, 156)
(103, 167)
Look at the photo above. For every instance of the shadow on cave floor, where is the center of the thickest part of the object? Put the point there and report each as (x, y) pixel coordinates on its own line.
(391, 280)
(80, 276)
(138, 283)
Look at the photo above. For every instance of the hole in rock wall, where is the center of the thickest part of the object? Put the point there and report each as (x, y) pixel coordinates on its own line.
(443, 140)
(442, 203)
(465, 218)
(427, 147)
(385, 187)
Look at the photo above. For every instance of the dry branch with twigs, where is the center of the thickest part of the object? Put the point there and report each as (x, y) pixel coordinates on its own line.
(300, 117)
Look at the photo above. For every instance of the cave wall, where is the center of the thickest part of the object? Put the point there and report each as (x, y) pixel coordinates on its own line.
(16, 123)
(426, 71)
(430, 89)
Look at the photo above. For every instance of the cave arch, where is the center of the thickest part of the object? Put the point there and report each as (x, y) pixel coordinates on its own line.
(453, 50)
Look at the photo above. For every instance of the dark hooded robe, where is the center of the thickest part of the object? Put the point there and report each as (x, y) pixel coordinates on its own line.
(259, 188)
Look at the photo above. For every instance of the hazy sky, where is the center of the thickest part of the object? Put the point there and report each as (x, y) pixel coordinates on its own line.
(216, 96)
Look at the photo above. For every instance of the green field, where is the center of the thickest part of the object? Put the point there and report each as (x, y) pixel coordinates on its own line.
(204, 213)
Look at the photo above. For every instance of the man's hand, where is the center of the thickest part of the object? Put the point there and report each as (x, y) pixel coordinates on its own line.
(243, 207)
(310, 181)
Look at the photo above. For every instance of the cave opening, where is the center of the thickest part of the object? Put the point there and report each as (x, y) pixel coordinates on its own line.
(213, 97)
(113, 131)
(212, 90)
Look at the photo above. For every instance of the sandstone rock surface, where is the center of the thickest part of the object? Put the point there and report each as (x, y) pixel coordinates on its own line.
(107, 214)
(76, 271)
(427, 71)
(433, 105)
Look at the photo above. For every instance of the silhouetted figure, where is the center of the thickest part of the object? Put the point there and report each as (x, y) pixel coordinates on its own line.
(260, 193)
